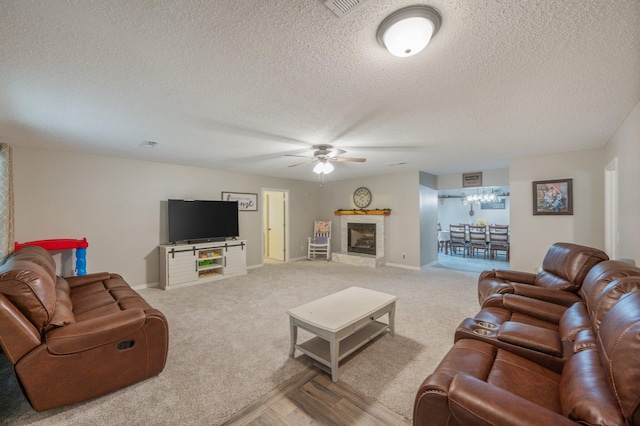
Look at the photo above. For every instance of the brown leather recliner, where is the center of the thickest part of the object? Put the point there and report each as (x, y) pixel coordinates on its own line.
(513, 322)
(76, 338)
(563, 269)
(530, 329)
(479, 383)
(499, 308)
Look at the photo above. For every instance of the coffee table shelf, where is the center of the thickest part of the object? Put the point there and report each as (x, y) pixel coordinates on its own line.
(320, 349)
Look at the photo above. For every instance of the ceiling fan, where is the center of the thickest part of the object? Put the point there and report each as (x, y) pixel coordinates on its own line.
(324, 156)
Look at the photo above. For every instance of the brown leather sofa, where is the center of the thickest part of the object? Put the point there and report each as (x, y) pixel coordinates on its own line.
(581, 368)
(72, 339)
(480, 383)
(563, 269)
(500, 308)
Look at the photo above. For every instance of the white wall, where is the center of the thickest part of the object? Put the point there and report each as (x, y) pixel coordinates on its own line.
(531, 236)
(625, 145)
(120, 206)
(398, 192)
(497, 177)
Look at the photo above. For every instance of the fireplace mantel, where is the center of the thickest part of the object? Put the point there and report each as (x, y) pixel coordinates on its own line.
(380, 212)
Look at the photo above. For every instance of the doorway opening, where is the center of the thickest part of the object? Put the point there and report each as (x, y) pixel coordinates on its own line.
(275, 234)
(467, 207)
(611, 209)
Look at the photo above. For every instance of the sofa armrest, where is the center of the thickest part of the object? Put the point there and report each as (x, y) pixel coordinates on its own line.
(17, 335)
(540, 309)
(87, 279)
(531, 337)
(95, 332)
(559, 297)
(473, 401)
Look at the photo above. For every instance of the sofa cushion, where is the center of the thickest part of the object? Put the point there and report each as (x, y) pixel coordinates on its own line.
(30, 288)
(63, 314)
(37, 255)
(619, 346)
(600, 276)
(585, 395)
(526, 379)
(610, 295)
(566, 265)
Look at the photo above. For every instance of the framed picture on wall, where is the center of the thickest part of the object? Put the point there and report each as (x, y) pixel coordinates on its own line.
(472, 180)
(553, 197)
(247, 202)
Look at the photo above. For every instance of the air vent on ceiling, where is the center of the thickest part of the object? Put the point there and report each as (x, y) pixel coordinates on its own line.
(342, 7)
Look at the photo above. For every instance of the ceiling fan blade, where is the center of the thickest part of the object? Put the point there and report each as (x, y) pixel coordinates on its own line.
(351, 160)
(335, 153)
(301, 156)
(313, 160)
(390, 148)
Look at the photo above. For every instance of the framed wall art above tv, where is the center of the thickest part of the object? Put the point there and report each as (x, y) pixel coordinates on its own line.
(247, 202)
(553, 197)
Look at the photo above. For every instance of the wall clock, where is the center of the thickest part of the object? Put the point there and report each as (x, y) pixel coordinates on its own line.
(362, 197)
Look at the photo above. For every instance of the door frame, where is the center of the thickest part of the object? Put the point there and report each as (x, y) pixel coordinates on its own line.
(611, 234)
(286, 221)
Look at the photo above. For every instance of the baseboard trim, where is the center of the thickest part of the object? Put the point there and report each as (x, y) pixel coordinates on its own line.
(259, 265)
(148, 285)
(428, 265)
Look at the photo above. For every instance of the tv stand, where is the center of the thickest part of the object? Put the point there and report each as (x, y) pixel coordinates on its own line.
(183, 265)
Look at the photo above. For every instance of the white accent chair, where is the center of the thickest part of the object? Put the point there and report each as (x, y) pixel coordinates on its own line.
(320, 243)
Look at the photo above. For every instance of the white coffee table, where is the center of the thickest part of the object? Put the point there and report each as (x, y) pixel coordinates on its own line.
(343, 321)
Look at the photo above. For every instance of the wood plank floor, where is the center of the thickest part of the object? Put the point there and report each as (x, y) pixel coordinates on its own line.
(311, 398)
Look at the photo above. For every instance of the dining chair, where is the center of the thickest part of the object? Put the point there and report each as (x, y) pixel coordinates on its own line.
(477, 240)
(458, 239)
(499, 240)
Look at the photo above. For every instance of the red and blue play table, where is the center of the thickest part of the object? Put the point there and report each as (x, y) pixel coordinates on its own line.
(63, 244)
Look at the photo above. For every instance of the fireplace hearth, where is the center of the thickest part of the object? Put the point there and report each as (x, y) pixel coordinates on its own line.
(361, 238)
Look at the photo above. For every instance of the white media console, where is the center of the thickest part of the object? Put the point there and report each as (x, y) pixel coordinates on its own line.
(183, 265)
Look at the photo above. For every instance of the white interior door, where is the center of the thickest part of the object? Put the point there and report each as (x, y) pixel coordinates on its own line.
(611, 209)
(275, 225)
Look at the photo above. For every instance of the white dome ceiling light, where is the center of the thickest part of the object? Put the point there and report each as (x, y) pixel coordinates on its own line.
(407, 31)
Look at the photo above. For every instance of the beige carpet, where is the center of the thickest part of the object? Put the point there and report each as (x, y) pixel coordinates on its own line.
(229, 343)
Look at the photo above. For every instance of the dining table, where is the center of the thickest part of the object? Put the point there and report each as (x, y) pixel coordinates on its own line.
(446, 237)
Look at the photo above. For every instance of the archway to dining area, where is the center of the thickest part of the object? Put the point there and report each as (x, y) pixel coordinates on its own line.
(473, 228)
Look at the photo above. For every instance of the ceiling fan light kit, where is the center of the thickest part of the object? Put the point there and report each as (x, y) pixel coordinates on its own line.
(408, 31)
(323, 167)
(324, 155)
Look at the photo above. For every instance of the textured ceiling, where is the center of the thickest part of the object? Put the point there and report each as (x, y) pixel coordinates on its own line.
(236, 84)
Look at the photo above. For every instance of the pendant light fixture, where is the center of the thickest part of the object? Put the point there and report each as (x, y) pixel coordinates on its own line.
(407, 31)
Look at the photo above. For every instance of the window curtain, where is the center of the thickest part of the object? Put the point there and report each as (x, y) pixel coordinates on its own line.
(6, 201)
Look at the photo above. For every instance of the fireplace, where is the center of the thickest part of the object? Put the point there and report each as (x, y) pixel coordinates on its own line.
(373, 254)
(361, 238)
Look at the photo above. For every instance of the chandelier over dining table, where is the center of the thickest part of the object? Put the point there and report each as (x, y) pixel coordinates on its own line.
(480, 198)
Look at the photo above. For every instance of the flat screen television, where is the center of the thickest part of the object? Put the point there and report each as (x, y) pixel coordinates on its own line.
(202, 220)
